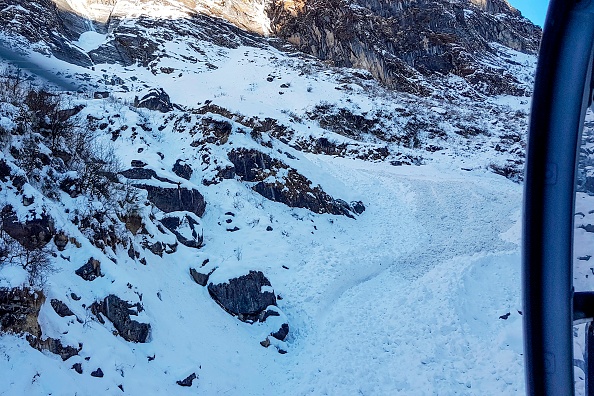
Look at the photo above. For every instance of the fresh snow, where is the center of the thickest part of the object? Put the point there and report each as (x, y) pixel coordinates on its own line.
(419, 295)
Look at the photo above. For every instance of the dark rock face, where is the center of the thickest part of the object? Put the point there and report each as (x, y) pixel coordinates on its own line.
(19, 309)
(90, 271)
(97, 373)
(282, 333)
(52, 26)
(187, 381)
(61, 308)
(175, 199)
(200, 278)
(193, 239)
(31, 234)
(155, 100)
(54, 346)
(139, 174)
(293, 190)
(61, 240)
(182, 169)
(399, 41)
(138, 164)
(118, 312)
(243, 296)
(5, 171)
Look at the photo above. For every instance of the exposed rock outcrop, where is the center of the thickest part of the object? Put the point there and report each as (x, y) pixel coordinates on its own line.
(243, 297)
(175, 199)
(90, 271)
(188, 380)
(289, 187)
(118, 312)
(185, 229)
(182, 169)
(19, 310)
(155, 99)
(399, 42)
(32, 233)
(61, 308)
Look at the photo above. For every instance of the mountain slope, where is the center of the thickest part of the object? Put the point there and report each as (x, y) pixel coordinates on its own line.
(369, 222)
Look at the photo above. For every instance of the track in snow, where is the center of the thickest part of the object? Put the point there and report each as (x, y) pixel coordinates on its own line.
(413, 306)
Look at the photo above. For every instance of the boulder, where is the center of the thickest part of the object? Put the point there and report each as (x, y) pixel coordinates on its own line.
(183, 170)
(138, 164)
(90, 271)
(97, 373)
(243, 297)
(200, 278)
(33, 233)
(185, 230)
(175, 199)
(61, 240)
(187, 381)
(155, 99)
(282, 333)
(61, 309)
(118, 312)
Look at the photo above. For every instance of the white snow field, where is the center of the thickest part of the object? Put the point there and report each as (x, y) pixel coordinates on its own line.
(406, 299)
(419, 295)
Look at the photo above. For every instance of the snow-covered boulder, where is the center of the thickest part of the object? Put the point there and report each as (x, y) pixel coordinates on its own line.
(32, 233)
(155, 100)
(246, 297)
(118, 312)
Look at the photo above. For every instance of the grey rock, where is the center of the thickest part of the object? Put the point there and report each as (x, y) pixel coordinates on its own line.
(118, 312)
(61, 308)
(61, 240)
(54, 346)
(243, 296)
(139, 174)
(282, 333)
(188, 380)
(173, 223)
(294, 189)
(97, 373)
(409, 40)
(200, 278)
(155, 100)
(19, 309)
(90, 271)
(31, 234)
(183, 170)
(138, 164)
(175, 199)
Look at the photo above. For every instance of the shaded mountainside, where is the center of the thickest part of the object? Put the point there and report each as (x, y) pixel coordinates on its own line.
(407, 45)
(400, 42)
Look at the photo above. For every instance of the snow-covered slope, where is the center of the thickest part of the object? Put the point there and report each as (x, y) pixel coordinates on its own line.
(387, 224)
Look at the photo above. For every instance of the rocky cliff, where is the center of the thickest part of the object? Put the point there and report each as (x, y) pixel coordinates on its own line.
(400, 42)
(412, 46)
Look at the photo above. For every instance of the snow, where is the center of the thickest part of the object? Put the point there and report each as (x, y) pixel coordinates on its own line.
(90, 40)
(420, 294)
